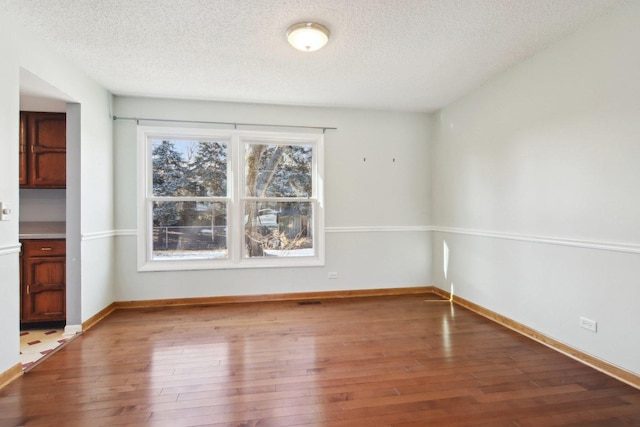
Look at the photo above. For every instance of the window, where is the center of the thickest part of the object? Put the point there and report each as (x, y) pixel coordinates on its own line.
(229, 199)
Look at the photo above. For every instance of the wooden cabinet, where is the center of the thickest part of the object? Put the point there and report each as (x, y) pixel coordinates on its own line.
(43, 152)
(23, 148)
(43, 281)
(43, 164)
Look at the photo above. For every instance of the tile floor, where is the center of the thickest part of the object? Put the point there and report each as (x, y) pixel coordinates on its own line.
(36, 344)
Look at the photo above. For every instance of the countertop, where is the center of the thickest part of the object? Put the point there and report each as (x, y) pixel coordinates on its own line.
(42, 230)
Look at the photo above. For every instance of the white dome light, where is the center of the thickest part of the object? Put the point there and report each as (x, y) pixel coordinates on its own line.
(307, 36)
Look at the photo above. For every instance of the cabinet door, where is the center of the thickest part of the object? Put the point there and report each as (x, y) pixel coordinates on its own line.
(47, 157)
(44, 291)
(23, 148)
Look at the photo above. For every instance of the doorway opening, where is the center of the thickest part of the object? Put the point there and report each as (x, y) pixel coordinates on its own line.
(49, 206)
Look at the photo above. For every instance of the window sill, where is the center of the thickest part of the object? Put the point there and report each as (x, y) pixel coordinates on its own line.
(178, 265)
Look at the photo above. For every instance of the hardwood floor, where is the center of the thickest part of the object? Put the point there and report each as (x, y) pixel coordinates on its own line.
(378, 361)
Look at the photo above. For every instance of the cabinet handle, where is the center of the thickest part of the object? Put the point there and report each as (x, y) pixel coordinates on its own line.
(46, 249)
(38, 149)
(28, 289)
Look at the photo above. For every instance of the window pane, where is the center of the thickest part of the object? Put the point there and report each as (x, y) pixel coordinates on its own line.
(189, 168)
(278, 170)
(189, 230)
(282, 229)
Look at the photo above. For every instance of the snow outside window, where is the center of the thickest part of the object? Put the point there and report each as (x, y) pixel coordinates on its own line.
(229, 199)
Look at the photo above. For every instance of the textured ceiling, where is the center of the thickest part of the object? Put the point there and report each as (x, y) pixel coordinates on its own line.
(411, 55)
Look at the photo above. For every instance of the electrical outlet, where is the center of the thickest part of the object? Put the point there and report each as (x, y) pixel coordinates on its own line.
(5, 211)
(332, 275)
(589, 324)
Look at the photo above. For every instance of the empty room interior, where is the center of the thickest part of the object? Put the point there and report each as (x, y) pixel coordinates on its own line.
(425, 213)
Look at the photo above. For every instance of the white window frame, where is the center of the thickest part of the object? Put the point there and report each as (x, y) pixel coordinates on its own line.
(237, 139)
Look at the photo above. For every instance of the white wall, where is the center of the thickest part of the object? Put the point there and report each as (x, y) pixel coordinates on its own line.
(535, 190)
(365, 202)
(9, 273)
(95, 164)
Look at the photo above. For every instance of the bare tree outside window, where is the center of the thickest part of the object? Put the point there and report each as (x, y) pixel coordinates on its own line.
(276, 220)
(214, 198)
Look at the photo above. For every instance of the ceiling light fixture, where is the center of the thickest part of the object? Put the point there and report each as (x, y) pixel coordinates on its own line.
(308, 36)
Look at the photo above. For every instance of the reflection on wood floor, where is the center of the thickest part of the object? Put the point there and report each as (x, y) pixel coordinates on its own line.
(379, 361)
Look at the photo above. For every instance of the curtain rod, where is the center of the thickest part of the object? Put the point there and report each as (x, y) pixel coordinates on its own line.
(234, 124)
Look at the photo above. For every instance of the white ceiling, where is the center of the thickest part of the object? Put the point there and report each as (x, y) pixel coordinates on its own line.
(410, 55)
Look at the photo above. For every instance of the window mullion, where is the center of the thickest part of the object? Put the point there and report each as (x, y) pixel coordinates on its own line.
(278, 199)
(187, 199)
(236, 175)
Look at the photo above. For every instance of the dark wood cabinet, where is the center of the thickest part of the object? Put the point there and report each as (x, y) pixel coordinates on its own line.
(43, 281)
(23, 148)
(43, 152)
(43, 164)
